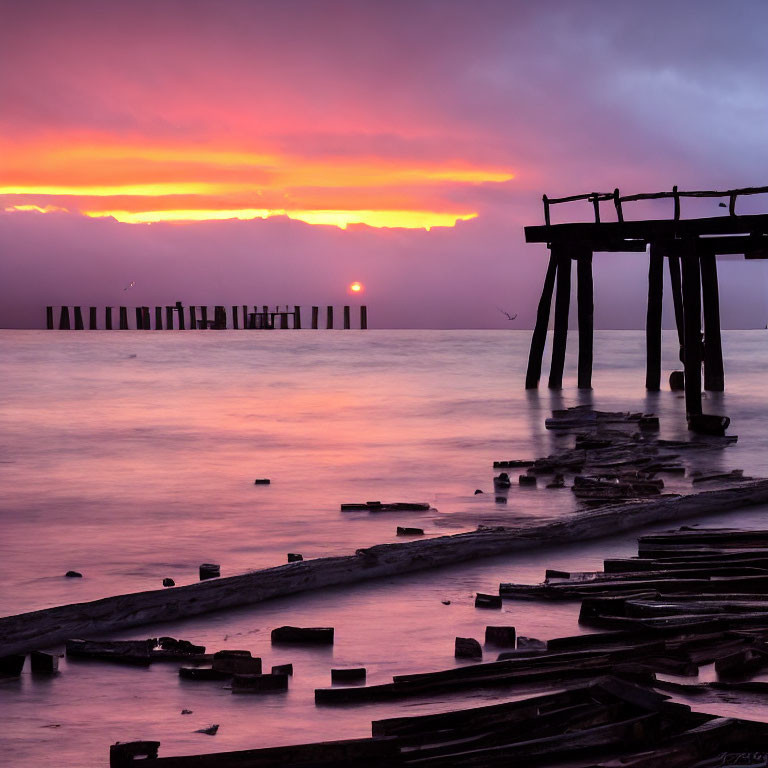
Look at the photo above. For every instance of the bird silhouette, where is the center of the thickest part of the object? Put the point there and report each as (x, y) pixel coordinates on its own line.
(509, 317)
(130, 285)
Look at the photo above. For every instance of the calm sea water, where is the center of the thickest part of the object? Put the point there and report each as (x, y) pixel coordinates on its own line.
(130, 456)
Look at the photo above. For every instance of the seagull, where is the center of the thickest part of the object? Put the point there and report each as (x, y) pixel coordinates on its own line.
(130, 285)
(509, 317)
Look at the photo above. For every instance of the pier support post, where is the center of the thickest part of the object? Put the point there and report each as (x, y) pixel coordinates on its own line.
(193, 318)
(158, 318)
(363, 317)
(220, 318)
(539, 338)
(123, 318)
(64, 319)
(297, 317)
(714, 378)
(139, 319)
(586, 311)
(329, 318)
(677, 299)
(562, 306)
(315, 313)
(180, 310)
(692, 329)
(93, 325)
(146, 316)
(235, 322)
(346, 318)
(204, 317)
(49, 318)
(108, 318)
(78, 319)
(653, 319)
(168, 318)
(245, 317)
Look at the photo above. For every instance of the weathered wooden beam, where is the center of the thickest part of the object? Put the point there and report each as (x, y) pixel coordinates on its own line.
(714, 378)
(39, 629)
(649, 229)
(539, 337)
(676, 282)
(586, 310)
(653, 319)
(692, 330)
(562, 307)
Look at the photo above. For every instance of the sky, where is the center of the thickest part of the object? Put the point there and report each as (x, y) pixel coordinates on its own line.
(274, 152)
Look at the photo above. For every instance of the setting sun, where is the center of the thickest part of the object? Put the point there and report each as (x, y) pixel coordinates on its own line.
(356, 287)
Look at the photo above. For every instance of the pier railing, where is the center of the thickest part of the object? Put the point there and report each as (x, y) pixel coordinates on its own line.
(194, 317)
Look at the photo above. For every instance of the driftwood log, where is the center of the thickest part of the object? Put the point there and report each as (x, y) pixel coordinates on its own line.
(25, 632)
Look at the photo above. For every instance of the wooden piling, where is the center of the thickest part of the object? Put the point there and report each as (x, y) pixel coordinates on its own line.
(283, 319)
(192, 318)
(539, 338)
(220, 318)
(329, 317)
(93, 325)
(677, 298)
(146, 318)
(49, 318)
(347, 325)
(653, 319)
(158, 318)
(245, 316)
(139, 319)
(78, 319)
(235, 322)
(586, 311)
(180, 310)
(363, 317)
(297, 317)
(64, 319)
(562, 305)
(315, 313)
(692, 329)
(204, 317)
(169, 318)
(123, 318)
(108, 318)
(714, 378)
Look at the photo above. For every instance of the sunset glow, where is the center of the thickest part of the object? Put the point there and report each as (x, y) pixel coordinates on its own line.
(139, 183)
(356, 287)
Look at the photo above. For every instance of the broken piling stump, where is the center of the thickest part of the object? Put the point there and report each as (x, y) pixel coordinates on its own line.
(11, 666)
(487, 601)
(209, 571)
(236, 663)
(501, 637)
(348, 675)
(44, 663)
(259, 683)
(467, 648)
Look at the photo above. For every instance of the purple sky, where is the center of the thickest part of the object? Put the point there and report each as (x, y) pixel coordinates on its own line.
(362, 111)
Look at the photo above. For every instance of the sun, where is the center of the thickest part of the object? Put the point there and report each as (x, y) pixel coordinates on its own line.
(356, 287)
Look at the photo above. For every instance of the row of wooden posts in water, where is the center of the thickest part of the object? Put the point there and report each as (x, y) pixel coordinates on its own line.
(176, 316)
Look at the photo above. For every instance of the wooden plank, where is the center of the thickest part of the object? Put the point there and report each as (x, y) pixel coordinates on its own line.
(692, 330)
(539, 337)
(714, 378)
(562, 306)
(653, 319)
(586, 310)
(650, 229)
(40, 629)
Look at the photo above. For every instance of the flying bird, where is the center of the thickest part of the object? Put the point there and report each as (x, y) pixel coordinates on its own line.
(130, 285)
(509, 317)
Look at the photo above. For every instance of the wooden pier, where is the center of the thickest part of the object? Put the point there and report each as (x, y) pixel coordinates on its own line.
(179, 317)
(690, 247)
